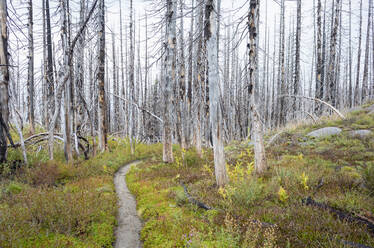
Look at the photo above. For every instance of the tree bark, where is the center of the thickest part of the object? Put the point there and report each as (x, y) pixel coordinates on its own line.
(365, 79)
(103, 128)
(30, 76)
(4, 81)
(170, 72)
(215, 94)
(259, 148)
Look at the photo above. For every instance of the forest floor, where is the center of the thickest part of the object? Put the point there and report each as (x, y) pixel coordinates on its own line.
(318, 192)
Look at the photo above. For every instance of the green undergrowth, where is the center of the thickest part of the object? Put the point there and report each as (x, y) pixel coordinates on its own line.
(55, 204)
(266, 211)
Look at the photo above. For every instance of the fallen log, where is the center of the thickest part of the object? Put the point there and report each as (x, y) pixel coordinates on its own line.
(193, 200)
(354, 245)
(340, 214)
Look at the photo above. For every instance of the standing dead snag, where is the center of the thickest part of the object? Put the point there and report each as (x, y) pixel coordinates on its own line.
(214, 95)
(4, 81)
(103, 128)
(170, 65)
(30, 81)
(253, 18)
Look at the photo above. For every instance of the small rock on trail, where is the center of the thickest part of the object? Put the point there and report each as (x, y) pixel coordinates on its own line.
(129, 224)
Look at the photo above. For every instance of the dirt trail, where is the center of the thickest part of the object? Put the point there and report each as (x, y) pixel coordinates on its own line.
(129, 224)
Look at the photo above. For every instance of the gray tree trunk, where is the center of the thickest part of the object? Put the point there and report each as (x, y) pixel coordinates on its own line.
(259, 149)
(4, 81)
(30, 74)
(170, 75)
(103, 128)
(215, 95)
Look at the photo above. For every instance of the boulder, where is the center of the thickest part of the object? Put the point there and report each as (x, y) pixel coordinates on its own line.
(324, 132)
(370, 108)
(360, 133)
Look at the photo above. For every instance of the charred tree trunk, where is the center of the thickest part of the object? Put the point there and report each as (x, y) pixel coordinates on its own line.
(4, 81)
(103, 128)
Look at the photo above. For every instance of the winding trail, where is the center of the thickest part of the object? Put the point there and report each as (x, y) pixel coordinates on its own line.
(129, 224)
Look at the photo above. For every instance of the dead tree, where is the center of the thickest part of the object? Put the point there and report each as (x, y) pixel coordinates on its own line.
(103, 127)
(331, 91)
(259, 148)
(170, 73)
(296, 83)
(30, 74)
(49, 67)
(365, 79)
(215, 94)
(357, 87)
(4, 81)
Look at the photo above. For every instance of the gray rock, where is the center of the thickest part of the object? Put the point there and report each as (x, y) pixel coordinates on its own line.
(324, 132)
(360, 133)
(370, 108)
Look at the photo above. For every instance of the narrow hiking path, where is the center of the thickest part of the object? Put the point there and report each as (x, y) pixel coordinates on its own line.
(129, 224)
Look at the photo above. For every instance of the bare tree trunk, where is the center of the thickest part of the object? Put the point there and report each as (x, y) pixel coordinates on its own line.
(296, 83)
(123, 90)
(169, 79)
(4, 81)
(80, 93)
(259, 149)
(115, 86)
(199, 75)
(132, 82)
(214, 94)
(103, 128)
(182, 84)
(49, 73)
(350, 93)
(282, 72)
(64, 65)
(30, 76)
(190, 77)
(357, 87)
(331, 93)
(365, 86)
(319, 77)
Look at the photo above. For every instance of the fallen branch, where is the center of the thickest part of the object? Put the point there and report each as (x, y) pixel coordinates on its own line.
(57, 136)
(140, 108)
(273, 139)
(317, 100)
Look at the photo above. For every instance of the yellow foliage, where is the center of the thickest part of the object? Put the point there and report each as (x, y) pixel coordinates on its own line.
(222, 192)
(304, 181)
(282, 194)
